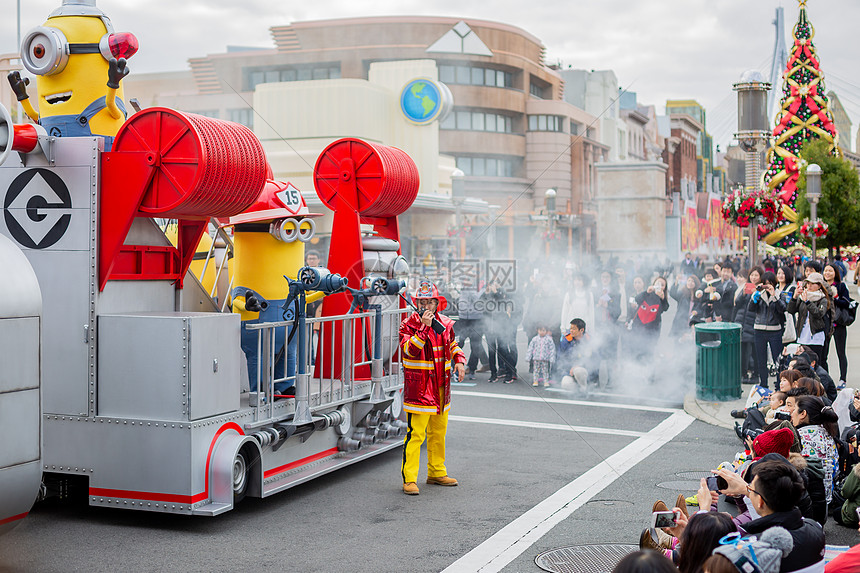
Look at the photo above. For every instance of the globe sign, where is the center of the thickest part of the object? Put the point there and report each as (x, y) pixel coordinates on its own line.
(421, 101)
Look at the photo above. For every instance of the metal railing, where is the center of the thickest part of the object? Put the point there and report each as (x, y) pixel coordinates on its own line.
(335, 382)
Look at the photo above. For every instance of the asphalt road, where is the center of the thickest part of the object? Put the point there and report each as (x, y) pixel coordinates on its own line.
(538, 470)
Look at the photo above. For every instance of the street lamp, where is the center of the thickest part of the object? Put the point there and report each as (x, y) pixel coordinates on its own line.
(550, 195)
(813, 194)
(752, 135)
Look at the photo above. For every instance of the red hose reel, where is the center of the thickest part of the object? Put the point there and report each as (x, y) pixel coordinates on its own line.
(363, 183)
(204, 167)
(174, 165)
(385, 178)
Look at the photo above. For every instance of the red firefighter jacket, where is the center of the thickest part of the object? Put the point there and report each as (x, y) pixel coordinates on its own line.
(427, 359)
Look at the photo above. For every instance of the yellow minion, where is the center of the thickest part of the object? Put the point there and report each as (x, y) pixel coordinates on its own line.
(73, 53)
(269, 243)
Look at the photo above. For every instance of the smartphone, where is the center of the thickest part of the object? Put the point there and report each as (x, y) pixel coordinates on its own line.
(716, 483)
(664, 519)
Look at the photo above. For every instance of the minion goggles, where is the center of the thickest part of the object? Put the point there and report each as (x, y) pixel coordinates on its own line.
(45, 50)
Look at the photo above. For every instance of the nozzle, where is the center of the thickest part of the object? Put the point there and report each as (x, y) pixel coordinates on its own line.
(321, 279)
(254, 304)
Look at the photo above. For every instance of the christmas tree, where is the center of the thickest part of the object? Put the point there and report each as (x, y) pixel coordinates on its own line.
(805, 115)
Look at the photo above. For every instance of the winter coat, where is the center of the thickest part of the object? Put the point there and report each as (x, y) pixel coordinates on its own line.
(427, 359)
(681, 322)
(541, 348)
(649, 311)
(827, 382)
(744, 316)
(818, 443)
(573, 352)
(808, 538)
(816, 311)
(466, 307)
(769, 311)
(815, 488)
(578, 304)
(606, 315)
(851, 493)
(724, 308)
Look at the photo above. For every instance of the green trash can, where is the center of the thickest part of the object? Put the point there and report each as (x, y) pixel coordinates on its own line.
(718, 361)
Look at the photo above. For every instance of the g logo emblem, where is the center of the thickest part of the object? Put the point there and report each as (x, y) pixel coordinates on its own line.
(33, 208)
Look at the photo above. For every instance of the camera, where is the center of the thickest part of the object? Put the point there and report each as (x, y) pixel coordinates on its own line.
(716, 483)
(782, 416)
(664, 519)
(759, 287)
(752, 433)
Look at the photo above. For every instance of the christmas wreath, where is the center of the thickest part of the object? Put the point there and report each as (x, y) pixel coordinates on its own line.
(816, 228)
(743, 208)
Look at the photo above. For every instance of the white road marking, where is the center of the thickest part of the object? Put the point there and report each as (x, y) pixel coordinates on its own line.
(545, 426)
(512, 540)
(564, 401)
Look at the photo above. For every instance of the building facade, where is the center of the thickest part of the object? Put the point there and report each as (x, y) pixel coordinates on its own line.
(510, 132)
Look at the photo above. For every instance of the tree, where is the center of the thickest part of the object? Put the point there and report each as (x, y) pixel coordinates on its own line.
(804, 116)
(839, 205)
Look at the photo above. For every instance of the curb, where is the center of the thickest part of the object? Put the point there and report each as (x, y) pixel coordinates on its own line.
(694, 408)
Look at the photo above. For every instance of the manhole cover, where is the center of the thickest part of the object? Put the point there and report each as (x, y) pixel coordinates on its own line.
(583, 558)
(609, 502)
(680, 485)
(694, 475)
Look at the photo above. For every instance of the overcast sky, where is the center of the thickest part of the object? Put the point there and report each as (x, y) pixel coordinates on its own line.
(661, 49)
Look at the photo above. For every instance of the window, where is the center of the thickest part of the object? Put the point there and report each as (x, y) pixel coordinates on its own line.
(475, 76)
(292, 74)
(464, 120)
(574, 128)
(478, 121)
(546, 123)
(463, 75)
(486, 166)
(538, 91)
(243, 115)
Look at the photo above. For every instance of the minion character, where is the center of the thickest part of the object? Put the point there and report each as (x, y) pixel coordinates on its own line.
(73, 53)
(269, 241)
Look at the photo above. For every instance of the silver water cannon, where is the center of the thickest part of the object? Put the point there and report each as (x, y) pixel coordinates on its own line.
(321, 279)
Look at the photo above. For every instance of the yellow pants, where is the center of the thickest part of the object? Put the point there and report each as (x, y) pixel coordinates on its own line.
(434, 427)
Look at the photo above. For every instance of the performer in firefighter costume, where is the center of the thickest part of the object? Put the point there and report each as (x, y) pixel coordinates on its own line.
(428, 355)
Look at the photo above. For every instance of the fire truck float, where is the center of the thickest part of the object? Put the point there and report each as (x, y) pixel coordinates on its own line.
(121, 370)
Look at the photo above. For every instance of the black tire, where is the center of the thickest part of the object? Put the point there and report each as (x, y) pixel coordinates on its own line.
(241, 467)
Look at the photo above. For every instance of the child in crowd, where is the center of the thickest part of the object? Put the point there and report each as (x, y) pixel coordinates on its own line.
(777, 404)
(542, 356)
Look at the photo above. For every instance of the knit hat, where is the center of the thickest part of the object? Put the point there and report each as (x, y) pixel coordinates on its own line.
(762, 555)
(817, 278)
(774, 441)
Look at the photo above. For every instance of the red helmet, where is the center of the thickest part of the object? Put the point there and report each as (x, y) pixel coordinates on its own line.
(277, 200)
(427, 290)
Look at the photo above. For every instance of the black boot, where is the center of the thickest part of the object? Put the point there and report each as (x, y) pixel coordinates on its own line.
(739, 413)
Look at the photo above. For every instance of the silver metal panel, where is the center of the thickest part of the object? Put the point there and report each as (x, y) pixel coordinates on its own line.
(143, 366)
(131, 458)
(65, 281)
(19, 367)
(214, 364)
(57, 234)
(19, 289)
(126, 297)
(19, 427)
(146, 232)
(149, 365)
(64, 221)
(19, 485)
